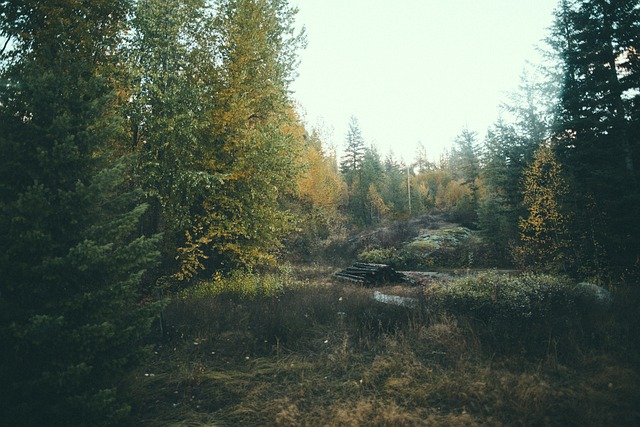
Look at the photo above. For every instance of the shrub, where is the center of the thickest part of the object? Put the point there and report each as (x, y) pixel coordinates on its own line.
(242, 284)
(529, 313)
(390, 256)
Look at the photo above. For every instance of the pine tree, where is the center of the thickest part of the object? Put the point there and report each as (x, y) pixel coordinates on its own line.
(508, 151)
(353, 153)
(597, 43)
(464, 161)
(394, 187)
(365, 189)
(71, 258)
(464, 164)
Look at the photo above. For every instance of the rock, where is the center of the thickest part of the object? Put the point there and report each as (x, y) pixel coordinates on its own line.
(591, 294)
(395, 299)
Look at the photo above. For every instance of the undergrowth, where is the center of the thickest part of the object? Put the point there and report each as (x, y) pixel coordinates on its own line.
(489, 350)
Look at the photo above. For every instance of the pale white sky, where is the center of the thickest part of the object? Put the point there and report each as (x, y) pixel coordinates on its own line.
(414, 70)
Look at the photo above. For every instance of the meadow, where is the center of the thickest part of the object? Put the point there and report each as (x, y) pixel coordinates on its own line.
(298, 347)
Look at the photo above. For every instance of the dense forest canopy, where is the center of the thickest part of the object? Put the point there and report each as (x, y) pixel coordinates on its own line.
(149, 144)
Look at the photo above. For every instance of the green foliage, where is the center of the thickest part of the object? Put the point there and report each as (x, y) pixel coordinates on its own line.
(168, 109)
(72, 319)
(393, 189)
(390, 256)
(508, 152)
(503, 298)
(464, 161)
(429, 187)
(354, 151)
(73, 322)
(497, 227)
(256, 139)
(597, 45)
(361, 168)
(216, 164)
(242, 285)
(518, 311)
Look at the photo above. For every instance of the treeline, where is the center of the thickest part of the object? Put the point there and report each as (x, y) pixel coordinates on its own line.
(554, 185)
(146, 144)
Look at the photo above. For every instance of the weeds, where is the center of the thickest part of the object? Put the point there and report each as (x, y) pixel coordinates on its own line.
(490, 350)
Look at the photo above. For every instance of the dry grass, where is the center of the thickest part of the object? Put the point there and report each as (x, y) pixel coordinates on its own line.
(327, 355)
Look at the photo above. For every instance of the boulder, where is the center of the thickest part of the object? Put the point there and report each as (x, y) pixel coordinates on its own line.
(593, 295)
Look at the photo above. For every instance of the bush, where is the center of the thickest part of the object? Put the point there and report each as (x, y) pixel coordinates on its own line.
(530, 313)
(389, 256)
(242, 284)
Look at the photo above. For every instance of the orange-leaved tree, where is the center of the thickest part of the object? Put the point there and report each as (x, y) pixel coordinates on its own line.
(543, 233)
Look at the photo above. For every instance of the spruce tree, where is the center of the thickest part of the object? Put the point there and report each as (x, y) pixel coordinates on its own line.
(71, 258)
(598, 44)
(369, 183)
(394, 187)
(464, 164)
(351, 169)
(464, 161)
(353, 157)
(508, 151)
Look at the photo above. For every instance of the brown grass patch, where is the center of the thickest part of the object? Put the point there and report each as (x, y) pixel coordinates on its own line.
(327, 355)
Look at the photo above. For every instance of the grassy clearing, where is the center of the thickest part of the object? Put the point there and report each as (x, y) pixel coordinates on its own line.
(325, 354)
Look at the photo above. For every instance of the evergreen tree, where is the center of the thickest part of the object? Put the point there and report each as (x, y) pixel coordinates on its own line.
(597, 42)
(464, 161)
(366, 191)
(500, 208)
(508, 152)
(394, 188)
(71, 257)
(353, 157)
(422, 159)
(464, 164)
(351, 168)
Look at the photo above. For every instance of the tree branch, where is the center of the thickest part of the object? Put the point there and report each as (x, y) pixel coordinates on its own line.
(6, 43)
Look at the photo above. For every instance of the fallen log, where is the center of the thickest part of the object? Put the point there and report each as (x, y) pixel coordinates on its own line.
(349, 277)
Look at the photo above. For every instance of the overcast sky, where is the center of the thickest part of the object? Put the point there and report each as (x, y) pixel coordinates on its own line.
(414, 70)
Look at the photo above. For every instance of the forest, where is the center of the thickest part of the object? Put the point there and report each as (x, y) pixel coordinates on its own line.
(170, 229)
